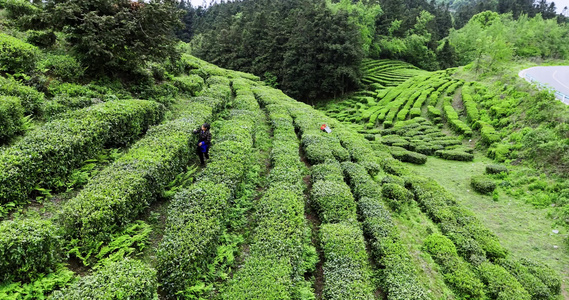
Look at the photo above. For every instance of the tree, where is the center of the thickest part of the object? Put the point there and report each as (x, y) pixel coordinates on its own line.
(111, 36)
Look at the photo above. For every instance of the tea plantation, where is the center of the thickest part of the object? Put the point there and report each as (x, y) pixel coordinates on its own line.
(102, 195)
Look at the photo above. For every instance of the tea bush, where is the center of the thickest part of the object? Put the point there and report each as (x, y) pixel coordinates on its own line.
(17, 56)
(127, 279)
(457, 273)
(454, 155)
(191, 84)
(118, 194)
(496, 169)
(483, 184)
(28, 249)
(47, 155)
(500, 284)
(334, 201)
(11, 114)
(533, 285)
(62, 67)
(31, 99)
(347, 274)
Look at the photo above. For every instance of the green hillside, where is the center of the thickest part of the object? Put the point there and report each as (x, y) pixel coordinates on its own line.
(448, 183)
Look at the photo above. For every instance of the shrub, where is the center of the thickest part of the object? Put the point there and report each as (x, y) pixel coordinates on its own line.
(415, 112)
(410, 156)
(11, 114)
(335, 201)
(29, 97)
(456, 272)
(61, 104)
(123, 190)
(496, 169)
(329, 171)
(63, 67)
(399, 278)
(126, 279)
(347, 274)
(500, 284)
(396, 196)
(28, 248)
(192, 234)
(483, 184)
(546, 274)
(191, 84)
(16, 56)
(533, 285)
(44, 39)
(474, 242)
(454, 155)
(47, 155)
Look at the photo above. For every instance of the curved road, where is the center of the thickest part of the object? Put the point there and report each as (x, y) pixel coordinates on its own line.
(554, 77)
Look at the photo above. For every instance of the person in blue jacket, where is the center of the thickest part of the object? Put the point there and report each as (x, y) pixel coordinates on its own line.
(204, 142)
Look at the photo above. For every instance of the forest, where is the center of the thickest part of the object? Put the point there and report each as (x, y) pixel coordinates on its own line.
(443, 173)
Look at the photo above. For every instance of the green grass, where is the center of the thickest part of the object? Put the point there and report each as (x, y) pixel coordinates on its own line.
(524, 230)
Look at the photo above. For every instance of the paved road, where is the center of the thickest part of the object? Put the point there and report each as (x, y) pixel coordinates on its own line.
(554, 77)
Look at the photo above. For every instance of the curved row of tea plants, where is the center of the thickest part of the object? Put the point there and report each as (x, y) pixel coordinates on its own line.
(196, 215)
(118, 194)
(47, 155)
(277, 259)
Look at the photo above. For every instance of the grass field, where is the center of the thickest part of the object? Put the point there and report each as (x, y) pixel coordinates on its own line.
(524, 230)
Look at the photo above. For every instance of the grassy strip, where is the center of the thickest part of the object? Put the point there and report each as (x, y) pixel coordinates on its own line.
(46, 156)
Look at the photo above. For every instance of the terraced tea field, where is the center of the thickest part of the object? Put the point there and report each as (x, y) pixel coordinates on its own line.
(283, 210)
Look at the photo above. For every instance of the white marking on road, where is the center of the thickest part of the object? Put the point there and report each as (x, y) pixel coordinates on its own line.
(555, 78)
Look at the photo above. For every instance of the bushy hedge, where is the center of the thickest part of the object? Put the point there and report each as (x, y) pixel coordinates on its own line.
(347, 274)
(11, 114)
(472, 114)
(456, 272)
(126, 279)
(473, 240)
(47, 155)
(500, 284)
(360, 151)
(61, 104)
(192, 235)
(191, 84)
(483, 184)
(487, 133)
(122, 191)
(274, 268)
(334, 201)
(28, 249)
(30, 98)
(329, 171)
(532, 284)
(396, 195)
(17, 56)
(496, 169)
(410, 156)
(63, 67)
(545, 273)
(398, 276)
(454, 155)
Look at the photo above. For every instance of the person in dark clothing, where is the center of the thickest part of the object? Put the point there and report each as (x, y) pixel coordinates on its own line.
(204, 142)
